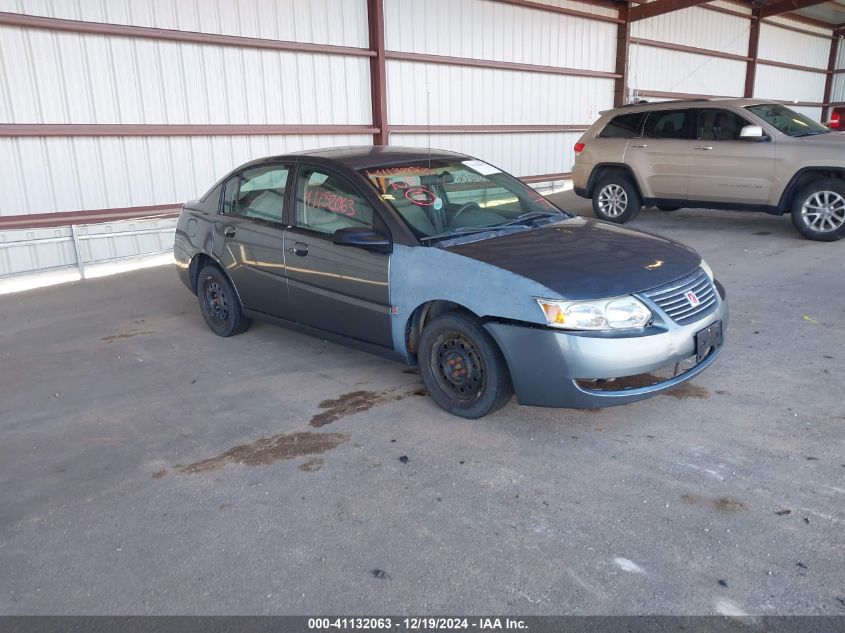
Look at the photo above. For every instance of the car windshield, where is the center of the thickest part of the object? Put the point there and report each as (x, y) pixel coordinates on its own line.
(450, 198)
(787, 121)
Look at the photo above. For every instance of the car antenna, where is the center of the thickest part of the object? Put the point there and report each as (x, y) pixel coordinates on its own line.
(428, 125)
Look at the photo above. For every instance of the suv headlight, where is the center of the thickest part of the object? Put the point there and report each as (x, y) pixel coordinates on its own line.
(607, 314)
(706, 268)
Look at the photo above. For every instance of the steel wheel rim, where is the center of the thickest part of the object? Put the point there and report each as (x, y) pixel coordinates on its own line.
(824, 211)
(613, 200)
(457, 367)
(216, 300)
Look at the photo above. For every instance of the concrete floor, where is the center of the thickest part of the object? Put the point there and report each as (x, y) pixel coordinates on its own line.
(726, 496)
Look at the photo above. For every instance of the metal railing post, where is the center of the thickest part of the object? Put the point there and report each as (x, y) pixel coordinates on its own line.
(78, 251)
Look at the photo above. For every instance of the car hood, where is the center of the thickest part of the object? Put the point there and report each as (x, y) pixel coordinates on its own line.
(581, 258)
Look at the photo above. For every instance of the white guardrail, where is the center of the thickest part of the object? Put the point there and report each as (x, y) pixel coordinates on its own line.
(30, 251)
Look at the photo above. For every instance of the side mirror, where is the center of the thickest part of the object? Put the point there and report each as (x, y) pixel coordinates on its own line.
(752, 133)
(362, 238)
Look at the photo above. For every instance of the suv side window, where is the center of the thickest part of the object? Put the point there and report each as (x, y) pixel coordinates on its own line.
(719, 125)
(624, 126)
(669, 124)
(326, 202)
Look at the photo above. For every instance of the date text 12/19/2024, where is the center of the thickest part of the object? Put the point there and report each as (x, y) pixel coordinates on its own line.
(416, 624)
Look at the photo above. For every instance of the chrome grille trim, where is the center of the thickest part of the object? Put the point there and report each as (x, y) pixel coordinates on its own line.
(671, 297)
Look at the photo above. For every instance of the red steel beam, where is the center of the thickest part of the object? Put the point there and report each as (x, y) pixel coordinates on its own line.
(753, 48)
(378, 71)
(659, 7)
(623, 46)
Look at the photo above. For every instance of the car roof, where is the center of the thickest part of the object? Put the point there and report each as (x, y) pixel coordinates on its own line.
(364, 156)
(671, 105)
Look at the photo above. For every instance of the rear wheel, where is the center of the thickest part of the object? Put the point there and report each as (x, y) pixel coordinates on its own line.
(818, 210)
(219, 304)
(462, 367)
(615, 199)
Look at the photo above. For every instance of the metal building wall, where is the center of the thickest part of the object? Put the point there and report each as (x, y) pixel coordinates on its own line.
(662, 64)
(423, 94)
(805, 54)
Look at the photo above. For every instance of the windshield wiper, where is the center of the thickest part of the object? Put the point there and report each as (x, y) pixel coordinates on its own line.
(531, 215)
(468, 230)
(816, 133)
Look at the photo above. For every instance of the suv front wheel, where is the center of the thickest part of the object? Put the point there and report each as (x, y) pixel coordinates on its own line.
(818, 211)
(615, 199)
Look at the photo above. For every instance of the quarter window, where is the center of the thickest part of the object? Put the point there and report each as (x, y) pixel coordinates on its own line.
(624, 126)
(326, 202)
(669, 124)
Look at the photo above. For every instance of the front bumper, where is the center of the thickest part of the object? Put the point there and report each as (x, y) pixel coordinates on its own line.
(546, 364)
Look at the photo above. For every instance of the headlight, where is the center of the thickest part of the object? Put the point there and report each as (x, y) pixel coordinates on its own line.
(706, 268)
(608, 314)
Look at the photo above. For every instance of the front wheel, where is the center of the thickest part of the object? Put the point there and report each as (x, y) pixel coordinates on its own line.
(462, 367)
(818, 211)
(219, 304)
(615, 199)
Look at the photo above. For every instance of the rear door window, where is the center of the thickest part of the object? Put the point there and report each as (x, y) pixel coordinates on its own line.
(624, 126)
(668, 124)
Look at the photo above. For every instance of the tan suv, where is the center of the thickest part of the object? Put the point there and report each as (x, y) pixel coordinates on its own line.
(741, 154)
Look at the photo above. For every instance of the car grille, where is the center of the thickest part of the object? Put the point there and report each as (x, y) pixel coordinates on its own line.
(672, 297)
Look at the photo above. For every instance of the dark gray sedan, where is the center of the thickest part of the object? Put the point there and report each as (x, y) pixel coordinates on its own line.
(442, 260)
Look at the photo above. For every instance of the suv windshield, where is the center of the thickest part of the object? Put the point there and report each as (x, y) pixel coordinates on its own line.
(787, 121)
(449, 198)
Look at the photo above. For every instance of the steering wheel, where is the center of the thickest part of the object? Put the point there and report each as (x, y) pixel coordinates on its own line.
(462, 209)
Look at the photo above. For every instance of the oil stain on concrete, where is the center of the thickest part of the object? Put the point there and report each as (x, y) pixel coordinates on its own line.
(357, 402)
(267, 450)
(720, 504)
(127, 334)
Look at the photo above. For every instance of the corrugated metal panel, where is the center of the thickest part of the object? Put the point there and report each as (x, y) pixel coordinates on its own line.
(837, 93)
(779, 19)
(579, 6)
(781, 45)
(733, 6)
(39, 175)
(499, 31)
(674, 71)
(787, 84)
(697, 27)
(526, 154)
(489, 96)
(29, 250)
(341, 22)
(70, 78)
(840, 55)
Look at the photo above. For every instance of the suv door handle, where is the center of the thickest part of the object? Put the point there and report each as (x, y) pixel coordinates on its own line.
(299, 248)
(639, 146)
(704, 148)
(229, 231)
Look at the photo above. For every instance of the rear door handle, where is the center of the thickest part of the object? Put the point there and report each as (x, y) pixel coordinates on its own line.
(639, 146)
(704, 148)
(299, 248)
(229, 231)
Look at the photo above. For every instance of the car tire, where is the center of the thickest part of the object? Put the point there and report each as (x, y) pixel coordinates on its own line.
(462, 367)
(818, 210)
(219, 304)
(667, 207)
(615, 199)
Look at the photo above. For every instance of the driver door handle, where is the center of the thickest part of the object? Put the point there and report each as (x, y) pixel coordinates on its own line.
(703, 148)
(229, 231)
(299, 248)
(639, 146)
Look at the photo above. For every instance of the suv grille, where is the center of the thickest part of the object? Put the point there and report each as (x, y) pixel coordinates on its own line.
(672, 297)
